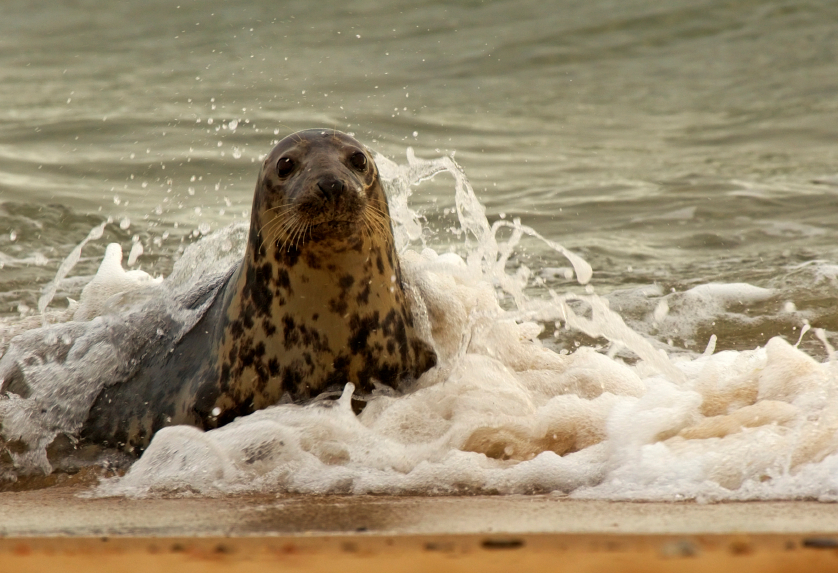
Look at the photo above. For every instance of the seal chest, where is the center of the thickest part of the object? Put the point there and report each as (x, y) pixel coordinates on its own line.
(318, 300)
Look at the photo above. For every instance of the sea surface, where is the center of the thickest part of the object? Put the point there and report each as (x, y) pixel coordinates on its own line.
(687, 150)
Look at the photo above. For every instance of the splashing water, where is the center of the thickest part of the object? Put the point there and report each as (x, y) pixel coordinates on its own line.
(501, 413)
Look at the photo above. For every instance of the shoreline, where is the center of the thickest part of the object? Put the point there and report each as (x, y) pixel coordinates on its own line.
(55, 528)
(64, 511)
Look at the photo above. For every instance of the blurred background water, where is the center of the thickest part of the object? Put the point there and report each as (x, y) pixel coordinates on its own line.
(671, 144)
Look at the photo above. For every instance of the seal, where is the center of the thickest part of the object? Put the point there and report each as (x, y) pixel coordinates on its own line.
(317, 301)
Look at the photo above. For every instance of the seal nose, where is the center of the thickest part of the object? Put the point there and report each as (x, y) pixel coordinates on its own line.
(331, 187)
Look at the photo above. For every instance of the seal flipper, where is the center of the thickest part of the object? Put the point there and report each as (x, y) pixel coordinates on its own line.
(165, 389)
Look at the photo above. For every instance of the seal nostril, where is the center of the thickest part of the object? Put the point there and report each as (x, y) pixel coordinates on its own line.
(331, 187)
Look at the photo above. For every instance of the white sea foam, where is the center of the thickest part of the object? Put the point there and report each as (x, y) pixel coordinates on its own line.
(501, 412)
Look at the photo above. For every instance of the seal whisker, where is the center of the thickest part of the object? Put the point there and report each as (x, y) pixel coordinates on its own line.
(378, 215)
(370, 229)
(295, 234)
(274, 229)
(282, 230)
(300, 233)
(288, 224)
(377, 219)
(281, 216)
(302, 236)
(285, 207)
(270, 226)
(374, 229)
(284, 233)
(373, 209)
(278, 222)
(365, 229)
(309, 230)
(279, 230)
(370, 222)
(373, 206)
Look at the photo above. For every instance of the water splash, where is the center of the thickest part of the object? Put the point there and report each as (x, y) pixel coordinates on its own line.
(501, 413)
(66, 266)
(480, 242)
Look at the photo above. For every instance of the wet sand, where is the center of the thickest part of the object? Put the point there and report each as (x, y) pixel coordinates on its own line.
(56, 529)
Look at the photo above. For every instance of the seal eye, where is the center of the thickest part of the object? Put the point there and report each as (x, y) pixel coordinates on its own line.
(285, 166)
(358, 161)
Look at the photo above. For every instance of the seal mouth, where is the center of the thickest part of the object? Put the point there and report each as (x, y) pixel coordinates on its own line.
(335, 229)
(294, 228)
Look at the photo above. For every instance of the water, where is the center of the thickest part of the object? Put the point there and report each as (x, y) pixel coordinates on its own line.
(686, 151)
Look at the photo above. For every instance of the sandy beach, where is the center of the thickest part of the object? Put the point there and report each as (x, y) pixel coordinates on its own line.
(58, 528)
